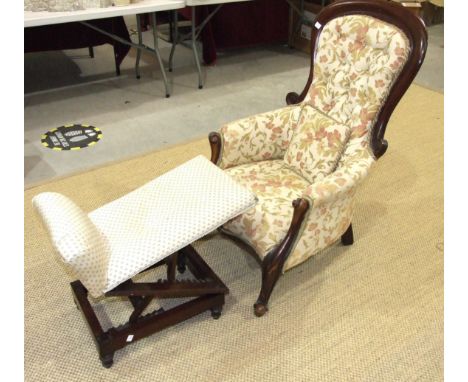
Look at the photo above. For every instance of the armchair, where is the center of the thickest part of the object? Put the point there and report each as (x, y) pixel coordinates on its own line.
(305, 161)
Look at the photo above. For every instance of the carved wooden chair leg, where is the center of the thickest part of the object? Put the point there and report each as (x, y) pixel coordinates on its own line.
(273, 263)
(348, 238)
(271, 271)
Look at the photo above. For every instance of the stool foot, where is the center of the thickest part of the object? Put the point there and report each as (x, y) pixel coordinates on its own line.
(107, 360)
(216, 312)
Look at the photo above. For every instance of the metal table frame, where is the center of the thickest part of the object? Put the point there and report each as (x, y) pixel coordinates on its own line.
(151, 7)
(176, 39)
(196, 31)
(140, 46)
(192, 35)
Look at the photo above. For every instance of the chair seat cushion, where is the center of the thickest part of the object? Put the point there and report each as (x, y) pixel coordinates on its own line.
(167, 214)
(276, 186)
(316, 144)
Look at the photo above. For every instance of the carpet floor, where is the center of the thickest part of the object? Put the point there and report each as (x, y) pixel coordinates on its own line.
(369, 312)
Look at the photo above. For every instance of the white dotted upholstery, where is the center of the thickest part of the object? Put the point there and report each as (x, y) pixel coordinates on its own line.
(161, 217)
(76, 238)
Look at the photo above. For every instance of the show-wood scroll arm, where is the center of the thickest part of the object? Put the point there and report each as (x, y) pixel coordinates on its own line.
(259, 150)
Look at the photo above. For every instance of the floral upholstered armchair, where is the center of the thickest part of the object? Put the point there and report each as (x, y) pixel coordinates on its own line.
(305, 161)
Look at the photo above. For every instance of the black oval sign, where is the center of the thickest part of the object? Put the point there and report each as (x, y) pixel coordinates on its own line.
(71, 137)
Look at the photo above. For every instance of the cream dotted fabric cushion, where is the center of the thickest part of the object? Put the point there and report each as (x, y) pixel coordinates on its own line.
(167, 214)
(316, 145)
(124, 237)
(76, 239)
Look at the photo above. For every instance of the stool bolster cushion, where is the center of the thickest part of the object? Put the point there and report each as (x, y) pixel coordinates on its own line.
(79, 242)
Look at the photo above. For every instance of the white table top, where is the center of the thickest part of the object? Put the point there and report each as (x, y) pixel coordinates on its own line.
(194, 3)
(34, 19)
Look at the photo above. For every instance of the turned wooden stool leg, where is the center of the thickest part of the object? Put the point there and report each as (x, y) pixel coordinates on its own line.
(171, 267)
(181, 262)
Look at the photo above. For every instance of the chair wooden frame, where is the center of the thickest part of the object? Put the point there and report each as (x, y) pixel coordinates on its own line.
(208, 289)
(414, 28)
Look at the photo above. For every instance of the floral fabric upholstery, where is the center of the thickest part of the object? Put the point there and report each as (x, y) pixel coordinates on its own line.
(257, 138)
(316, 145)
(353, 168)
(276, 186)
(357, 61)
(332, 203)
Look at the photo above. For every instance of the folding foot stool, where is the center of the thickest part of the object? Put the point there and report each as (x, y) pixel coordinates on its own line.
(149, 227)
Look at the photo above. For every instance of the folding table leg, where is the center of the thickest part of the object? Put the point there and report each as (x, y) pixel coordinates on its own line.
(195, 50)
(175, 38)
(140, 42)
(117, 65)
(158, 54)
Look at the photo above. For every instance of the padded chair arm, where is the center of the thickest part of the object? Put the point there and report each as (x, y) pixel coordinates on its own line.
(256, 138)
(343, 180)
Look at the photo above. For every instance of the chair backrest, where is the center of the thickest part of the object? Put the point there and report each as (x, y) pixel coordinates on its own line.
(80, 244)
(365, 54)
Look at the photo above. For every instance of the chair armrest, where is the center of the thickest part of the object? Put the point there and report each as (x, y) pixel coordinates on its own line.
(351, 171)
(256, 138)
(331, 201)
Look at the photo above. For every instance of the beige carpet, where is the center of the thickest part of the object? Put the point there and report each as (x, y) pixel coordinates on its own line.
(369, 312)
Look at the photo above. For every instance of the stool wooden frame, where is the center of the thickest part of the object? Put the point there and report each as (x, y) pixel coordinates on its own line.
(208, 289)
